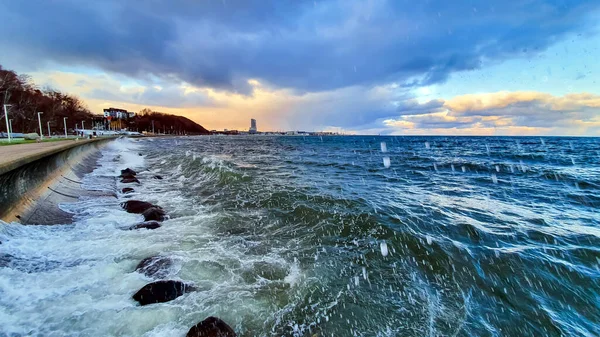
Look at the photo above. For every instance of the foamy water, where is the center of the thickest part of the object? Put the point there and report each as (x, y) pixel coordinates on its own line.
(302, 236)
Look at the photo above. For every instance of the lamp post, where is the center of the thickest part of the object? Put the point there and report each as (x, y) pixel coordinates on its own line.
(49, 135)
(10, 125)
(40, 122)
(65, 121)
(7, 122)
(82, 125)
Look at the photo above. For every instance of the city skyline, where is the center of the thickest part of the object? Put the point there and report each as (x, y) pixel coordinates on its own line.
(357, 67)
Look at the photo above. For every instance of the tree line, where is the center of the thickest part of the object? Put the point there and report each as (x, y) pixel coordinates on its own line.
(165, 123)
(26, 100)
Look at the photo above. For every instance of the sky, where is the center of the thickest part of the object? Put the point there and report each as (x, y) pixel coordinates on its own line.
(437, 67)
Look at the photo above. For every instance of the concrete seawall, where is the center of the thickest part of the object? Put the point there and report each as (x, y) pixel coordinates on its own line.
(35, 180)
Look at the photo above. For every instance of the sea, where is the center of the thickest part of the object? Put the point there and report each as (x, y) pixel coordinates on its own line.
(323, 236)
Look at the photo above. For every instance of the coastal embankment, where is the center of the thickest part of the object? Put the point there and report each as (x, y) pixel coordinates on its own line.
(36, 178)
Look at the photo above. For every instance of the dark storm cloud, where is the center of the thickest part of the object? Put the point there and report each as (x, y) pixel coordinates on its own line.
(413, 107)
(304, 45)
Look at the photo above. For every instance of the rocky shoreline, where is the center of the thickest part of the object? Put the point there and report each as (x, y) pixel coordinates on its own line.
(161, 291)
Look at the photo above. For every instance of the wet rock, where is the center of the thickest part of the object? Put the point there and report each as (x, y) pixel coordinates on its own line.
(127, 176)
(130, 180)
(146, 225)
(154, 213)
(127, 190)
(211, 327)
(154, 266)
(158, 177)
(136, 206)
(128, 171)
(139, 154)
(161, 291)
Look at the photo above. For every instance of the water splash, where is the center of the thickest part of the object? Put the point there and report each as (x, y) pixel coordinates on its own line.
(383, 147)
(386, 162)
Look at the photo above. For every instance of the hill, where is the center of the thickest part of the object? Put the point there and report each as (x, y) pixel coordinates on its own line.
(165, 123)
(25, 99)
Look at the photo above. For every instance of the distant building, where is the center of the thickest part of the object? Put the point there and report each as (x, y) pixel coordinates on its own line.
(252, 126)
(113, 118)
(115, 113)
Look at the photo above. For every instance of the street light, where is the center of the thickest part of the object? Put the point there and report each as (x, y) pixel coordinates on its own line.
(7, 126)
(10, 124)
(82, 126)
(49, 135)
(40, 122)
(65, 121)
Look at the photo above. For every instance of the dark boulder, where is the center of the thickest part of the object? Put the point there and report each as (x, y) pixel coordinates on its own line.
(146, 225)
(211, 327)
(154, 266)
(128, 171)
(127, 190)
(127, 176)
(130, 180)
(154, 213)
(136, 206)
(158, 177)
(161, 291)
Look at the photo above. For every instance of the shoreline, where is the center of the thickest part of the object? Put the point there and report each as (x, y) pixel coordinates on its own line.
(34, 180)
(15, 156)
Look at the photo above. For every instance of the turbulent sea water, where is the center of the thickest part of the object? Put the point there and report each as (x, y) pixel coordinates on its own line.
(331, 236)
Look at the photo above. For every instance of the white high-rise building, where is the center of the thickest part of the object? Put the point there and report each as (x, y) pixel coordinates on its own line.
(252, 126)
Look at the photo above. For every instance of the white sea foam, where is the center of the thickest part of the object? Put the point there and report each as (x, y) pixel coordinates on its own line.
(78, 279)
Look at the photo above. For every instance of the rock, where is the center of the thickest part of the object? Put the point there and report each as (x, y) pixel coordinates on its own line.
(154, 266)
(161, 291)
(211, 327)
(127, 176)
(146, 225)
(128, 171)
(130, 180)
(139, 154)
(154, 213)
(136, 206)
(158, 177)
(127, 190)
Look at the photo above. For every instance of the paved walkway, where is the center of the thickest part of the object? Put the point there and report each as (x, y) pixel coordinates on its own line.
(13, 156)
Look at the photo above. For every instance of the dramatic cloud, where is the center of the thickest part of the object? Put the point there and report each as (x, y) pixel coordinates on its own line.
(501, 111)
(357, 66)
(304, 45)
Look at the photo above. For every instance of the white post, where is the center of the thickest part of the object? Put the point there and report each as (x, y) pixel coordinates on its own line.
(65, 121)
(7, 126)
(49, 135)
(82, 125)
(10, 124)
(40, 122)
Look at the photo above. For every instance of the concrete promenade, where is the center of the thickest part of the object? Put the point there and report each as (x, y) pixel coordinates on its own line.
(15, 156)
